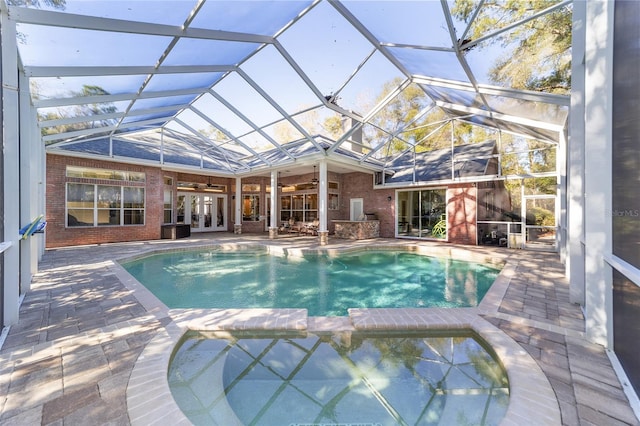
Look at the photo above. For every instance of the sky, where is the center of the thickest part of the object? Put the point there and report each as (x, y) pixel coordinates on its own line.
(327, 48)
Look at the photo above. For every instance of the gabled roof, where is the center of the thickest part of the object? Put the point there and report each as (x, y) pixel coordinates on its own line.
(470, 160)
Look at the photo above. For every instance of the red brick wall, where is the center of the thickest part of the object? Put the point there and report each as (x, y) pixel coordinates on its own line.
(461, 213)
(461, 207)
(57, 235)
(360, 185)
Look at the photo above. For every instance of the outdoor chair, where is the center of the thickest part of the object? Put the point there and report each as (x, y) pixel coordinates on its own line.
(295, 227)
(312, 228)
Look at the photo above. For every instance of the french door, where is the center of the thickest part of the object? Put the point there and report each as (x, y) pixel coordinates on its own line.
(204, 212)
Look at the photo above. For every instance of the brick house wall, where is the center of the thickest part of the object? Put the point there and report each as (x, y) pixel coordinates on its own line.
(461, 213)
(461, 205)
(58, 235)
(360, 185)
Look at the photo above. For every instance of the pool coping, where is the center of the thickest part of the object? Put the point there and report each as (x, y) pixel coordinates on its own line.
(149, 398)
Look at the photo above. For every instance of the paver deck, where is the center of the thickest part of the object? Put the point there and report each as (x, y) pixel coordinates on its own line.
(81, 330)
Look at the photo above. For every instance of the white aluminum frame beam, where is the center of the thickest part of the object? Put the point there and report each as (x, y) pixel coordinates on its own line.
(91, 71)
(528, 95)
(227, 134)
(249, 122)
(500, 116)
(106, 129)
(69, 20)
(100, 99)
(278, 108)
(110, 116)
(223, 152)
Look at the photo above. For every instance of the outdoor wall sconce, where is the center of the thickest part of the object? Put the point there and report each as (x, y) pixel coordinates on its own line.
(389, 198)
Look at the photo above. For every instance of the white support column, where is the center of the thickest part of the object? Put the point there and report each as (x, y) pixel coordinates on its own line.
(273, 220)
(575, 161)
(11, 168)
(41, 156)
(237, 227)
(28, 188)
(561, 198)
(597, 176)
(323, 228)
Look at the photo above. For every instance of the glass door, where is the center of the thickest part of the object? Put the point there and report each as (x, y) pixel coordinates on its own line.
(220, 201)
(422, 213)
(267, 222)
(204, 212)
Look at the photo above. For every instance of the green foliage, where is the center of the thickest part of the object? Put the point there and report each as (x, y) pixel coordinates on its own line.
(543, 217)
(537, 54)
(80, 110)
(333, 125)
(434, 130)
(58, 4)
(214, 134)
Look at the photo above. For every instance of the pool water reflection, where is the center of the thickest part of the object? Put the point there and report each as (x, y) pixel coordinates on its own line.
(390, 378)
(324, 285)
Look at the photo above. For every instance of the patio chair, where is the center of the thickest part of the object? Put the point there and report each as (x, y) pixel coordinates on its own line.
(294, 227)
(312, 228)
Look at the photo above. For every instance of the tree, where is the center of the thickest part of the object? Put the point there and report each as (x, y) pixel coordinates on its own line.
(90, 110)
(58, 4)
(430, 132)
(397, 114)
(540, 54)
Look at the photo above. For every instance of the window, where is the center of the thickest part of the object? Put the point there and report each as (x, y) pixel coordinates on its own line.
(168, 200)
(133, 206)
(300, 207)
(80, 204)
(168, 206)
(251, 187)
(201, 187)
(105, 174)
(109, 205)
(334, 202)
(251, 208)
(104, 205)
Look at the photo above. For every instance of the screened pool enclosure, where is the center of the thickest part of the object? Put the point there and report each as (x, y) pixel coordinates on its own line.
(332, 106)
(404, 91)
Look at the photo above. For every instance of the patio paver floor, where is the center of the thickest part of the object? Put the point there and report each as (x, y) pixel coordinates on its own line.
(69, 358)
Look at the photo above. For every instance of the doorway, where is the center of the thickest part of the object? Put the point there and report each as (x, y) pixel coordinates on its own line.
(541, 222)
(267, 222)
(356, 209)
(204, 212)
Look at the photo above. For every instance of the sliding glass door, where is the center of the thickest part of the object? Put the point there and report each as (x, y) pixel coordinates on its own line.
(422, 213)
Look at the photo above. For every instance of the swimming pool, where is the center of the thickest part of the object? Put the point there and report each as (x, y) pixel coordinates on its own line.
(363, 378)
(324, 285)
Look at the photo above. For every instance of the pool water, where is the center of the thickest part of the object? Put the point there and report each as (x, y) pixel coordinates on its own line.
(395, 378)
(325, 286)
